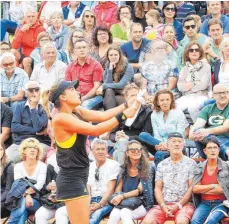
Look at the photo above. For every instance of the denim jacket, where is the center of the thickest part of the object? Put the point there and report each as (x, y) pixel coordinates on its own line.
(147, 183)
(222, 176)
(17, 191)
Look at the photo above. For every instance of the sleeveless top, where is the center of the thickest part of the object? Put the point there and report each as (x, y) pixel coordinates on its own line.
(72, 152)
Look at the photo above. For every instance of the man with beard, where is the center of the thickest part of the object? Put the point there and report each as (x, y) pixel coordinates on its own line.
(13, 80)
(133, 48)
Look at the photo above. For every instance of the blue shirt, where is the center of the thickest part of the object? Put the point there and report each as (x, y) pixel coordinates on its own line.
(179, 29)
(27, 122)
(224, 19)
(11, 87)
(131, 53)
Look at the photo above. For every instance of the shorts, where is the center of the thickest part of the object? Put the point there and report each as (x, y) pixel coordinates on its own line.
(158, 215)
(71, 184)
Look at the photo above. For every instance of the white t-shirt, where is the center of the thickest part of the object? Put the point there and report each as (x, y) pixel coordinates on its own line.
(108, 171)
(224, 75)
(39, 174)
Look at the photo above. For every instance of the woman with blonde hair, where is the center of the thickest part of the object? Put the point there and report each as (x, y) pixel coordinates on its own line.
(7, 178)
(32, 168)
(88, 24)
(116, 76)
(135, 179)
(221, 74)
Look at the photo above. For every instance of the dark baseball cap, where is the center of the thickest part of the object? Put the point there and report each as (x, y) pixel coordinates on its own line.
(175, 135)
(61, 87)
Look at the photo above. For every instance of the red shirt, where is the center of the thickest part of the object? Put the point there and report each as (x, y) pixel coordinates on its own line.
(106, 14)
(87, 74)
(207, 179)
(27, 39)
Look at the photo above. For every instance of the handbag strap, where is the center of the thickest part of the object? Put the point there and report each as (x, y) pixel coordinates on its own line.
(31, 185)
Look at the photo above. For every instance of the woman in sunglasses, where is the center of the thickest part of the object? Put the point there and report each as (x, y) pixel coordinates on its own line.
(71, 128)
(88, 24)
(135, 179)
(194, 80)
(169, 12)
(32, 168)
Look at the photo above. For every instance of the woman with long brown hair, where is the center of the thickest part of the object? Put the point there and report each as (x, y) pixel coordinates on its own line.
(71, 128)
(135, 179)
(165, 119)
(116, 76)
(140, 10)
(7, 178)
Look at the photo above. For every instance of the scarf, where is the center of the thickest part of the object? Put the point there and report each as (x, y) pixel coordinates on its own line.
(59, 37)
(193, 69)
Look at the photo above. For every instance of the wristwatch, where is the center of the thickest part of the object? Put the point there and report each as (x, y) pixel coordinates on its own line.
(9, 99)
(179, 205)
(26, 193)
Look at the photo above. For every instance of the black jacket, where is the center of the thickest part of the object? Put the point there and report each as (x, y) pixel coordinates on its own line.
(7, 180)
(216, 71)
(141, 123)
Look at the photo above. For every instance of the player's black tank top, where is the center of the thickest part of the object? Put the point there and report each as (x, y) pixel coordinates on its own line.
(72, 152)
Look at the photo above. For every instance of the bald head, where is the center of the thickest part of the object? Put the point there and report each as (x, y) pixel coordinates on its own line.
(220, 87)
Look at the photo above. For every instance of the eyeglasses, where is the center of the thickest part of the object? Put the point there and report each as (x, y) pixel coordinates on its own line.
(5, 49)
(91, 16)
(8, 64)
(170, 9)
(221, 93)
(194, 49)
(44, 40)
(79, 48)
(77, 36)
(134, 150)
(191, 26)
(102, 34)
(31, 90)
(97, 174)
(124, 13)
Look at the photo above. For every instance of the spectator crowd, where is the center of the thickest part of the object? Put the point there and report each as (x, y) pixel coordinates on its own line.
(171, 56)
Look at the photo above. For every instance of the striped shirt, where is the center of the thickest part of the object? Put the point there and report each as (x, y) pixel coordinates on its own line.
(11, 87)
(185, 10)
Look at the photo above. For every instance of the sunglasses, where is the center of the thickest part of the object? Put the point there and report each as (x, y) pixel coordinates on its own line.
(191, 26)
(194, 49)
(170, 9)
(31, 90)
(8, 64)
(97, 174)
(91, 16)
(134, 150)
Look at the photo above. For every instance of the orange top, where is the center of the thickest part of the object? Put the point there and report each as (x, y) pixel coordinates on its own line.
(28, 39)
